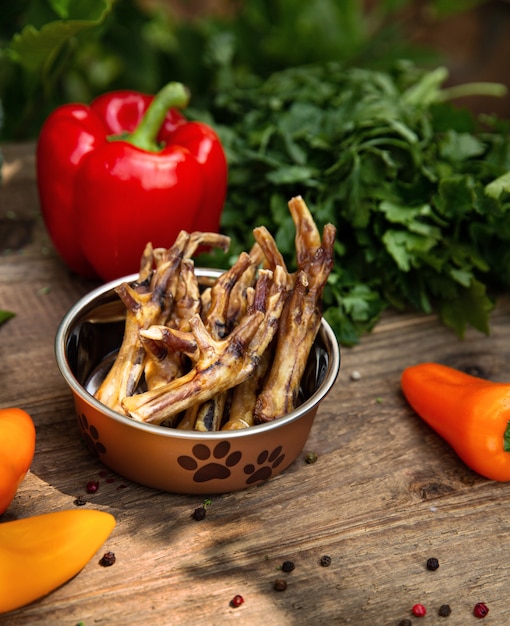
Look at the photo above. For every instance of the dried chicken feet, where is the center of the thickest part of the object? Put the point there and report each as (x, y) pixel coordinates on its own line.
(222, 364)
(301, 318)
(148, 301)
(220, 353)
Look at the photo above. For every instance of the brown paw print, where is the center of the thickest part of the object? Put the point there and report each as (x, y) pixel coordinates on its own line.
(266, 463)
(90, 436)
(208, 464)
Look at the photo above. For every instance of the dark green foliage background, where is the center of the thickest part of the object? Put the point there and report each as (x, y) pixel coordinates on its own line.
(319, 99)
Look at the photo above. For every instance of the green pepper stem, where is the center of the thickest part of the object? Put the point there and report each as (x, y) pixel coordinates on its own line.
(473, 89)
(506, 438)
(173, 95)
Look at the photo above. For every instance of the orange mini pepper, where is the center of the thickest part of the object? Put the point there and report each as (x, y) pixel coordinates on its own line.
(39, 554)
(17, 446)
(472, 414)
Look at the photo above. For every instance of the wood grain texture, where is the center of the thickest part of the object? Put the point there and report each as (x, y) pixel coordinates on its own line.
(384, 495)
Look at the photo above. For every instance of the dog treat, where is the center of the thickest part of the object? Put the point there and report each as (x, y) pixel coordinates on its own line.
(224, 353)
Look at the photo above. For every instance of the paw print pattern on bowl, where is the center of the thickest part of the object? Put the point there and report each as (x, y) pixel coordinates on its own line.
(266, 463)
(90, 436)
(209, 465)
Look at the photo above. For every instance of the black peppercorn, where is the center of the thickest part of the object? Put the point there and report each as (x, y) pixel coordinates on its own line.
(444, 610)
(325, 560)
(199, 514)
(405, 622)
(280, 584)
(288, 566)
(432, 564)
(107, 559)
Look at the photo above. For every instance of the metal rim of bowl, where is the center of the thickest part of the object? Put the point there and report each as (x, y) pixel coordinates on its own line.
(331, 345)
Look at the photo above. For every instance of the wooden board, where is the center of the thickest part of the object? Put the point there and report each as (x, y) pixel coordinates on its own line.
(384, 495)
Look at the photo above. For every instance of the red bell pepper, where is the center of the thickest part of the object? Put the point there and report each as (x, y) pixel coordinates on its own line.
(127, 170)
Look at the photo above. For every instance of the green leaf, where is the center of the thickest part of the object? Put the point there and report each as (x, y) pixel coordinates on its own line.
(6, 315)
(403, 247)
(61, 7)
(498, 186)
(472, 306)
(399, 214)
(36, 49)
(463, 277)
(446, 117)
(460, 146)
(292, 174)
(456, 196)
(356, 303)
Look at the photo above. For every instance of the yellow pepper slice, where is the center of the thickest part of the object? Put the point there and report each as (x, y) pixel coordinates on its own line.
(17, 445)
(39, 554)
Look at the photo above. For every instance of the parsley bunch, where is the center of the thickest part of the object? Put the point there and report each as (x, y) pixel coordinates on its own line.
(419, 190)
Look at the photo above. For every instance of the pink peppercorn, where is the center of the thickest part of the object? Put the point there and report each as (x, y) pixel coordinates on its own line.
(92, 486)
(481, 610)
(419, 610)
(236, 601)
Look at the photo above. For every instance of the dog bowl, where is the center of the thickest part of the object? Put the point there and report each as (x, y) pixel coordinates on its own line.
(168, 459)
